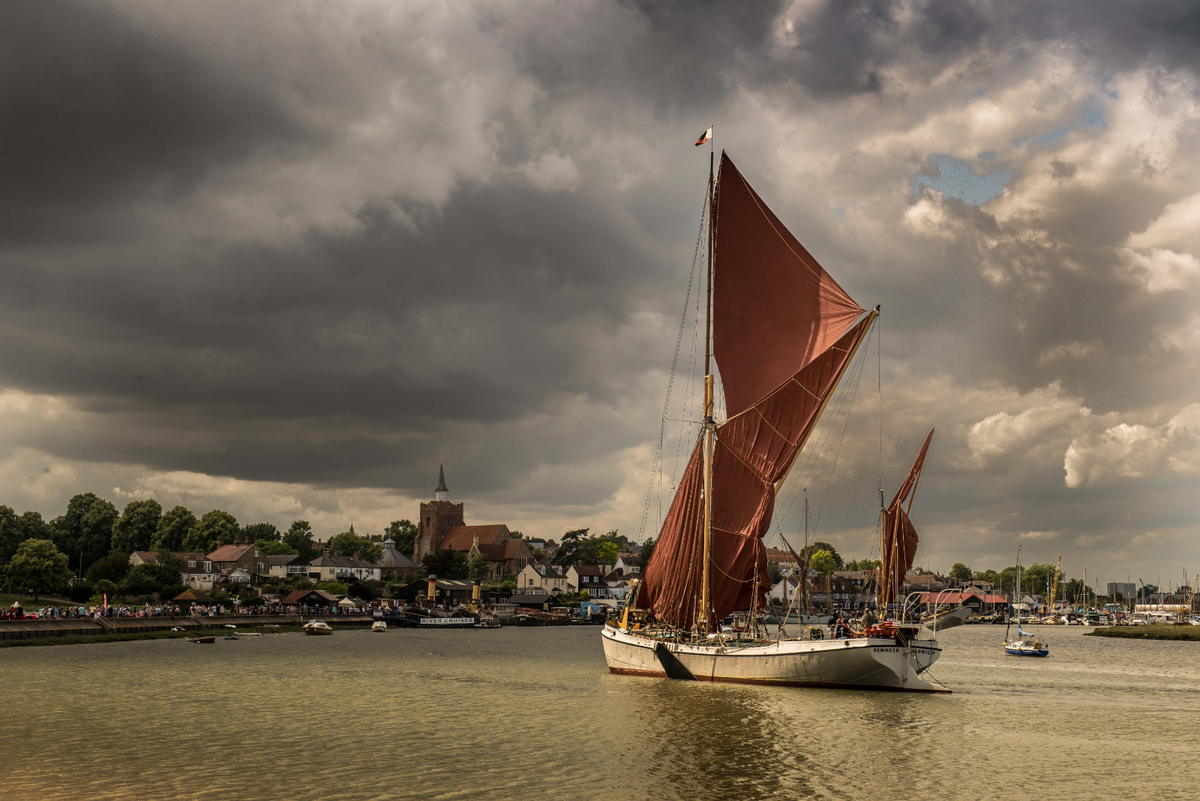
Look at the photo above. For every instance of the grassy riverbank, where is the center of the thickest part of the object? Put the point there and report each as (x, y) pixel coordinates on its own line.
(1148, 632)
(30, 605)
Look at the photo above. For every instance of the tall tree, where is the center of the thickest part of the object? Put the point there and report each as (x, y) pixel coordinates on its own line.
(84, 533)
(38, 567)
(348, 544)
(112, 567)
(173, 530)
(646, 552)
(10, 533)
(404, 532)
(262, 532)
(134, 530)
(33, 527)
(216, 526)
(299, 539)
(825, 546)
(961, 573)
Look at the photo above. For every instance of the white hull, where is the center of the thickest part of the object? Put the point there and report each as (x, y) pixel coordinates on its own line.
(862, 663)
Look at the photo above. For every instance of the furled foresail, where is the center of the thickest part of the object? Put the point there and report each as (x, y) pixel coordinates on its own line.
(899, 535)
(753, 451)
(775, 308)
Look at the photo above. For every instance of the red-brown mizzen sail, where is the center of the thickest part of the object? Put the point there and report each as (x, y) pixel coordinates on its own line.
(775, 309)
(753, 451)
(899, 534)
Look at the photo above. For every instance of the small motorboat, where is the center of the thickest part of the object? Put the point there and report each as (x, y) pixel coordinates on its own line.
(379, 625)
(488, 622)
(203, 640)
(317, 627)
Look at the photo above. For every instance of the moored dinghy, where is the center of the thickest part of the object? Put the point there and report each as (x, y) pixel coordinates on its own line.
(783, 334)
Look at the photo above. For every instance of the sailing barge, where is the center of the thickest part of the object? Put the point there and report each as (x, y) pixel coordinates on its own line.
(783, 334)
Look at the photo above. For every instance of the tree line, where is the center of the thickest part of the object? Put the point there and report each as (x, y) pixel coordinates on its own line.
(93, 539)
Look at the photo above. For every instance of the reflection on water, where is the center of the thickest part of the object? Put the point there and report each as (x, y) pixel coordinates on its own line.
(521, 712)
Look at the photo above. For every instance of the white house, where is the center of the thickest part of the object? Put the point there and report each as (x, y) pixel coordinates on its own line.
(587, 577)
(548, 579)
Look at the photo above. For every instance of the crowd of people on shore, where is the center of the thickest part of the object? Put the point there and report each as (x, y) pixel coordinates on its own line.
(52, 612)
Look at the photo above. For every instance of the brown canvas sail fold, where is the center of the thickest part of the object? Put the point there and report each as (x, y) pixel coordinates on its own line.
(900, 537)
(752, 452)
(775, 308)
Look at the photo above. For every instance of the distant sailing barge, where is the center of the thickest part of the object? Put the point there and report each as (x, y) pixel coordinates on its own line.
(783, 333)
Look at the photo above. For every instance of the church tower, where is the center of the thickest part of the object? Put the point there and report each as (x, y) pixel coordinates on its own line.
(437, 516)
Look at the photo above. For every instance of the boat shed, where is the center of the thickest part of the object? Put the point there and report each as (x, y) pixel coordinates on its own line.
(310, 598)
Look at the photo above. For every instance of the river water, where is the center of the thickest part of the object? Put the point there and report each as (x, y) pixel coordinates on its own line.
(533, 713)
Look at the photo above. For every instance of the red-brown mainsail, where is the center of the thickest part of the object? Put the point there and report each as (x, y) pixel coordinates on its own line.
(783, 334)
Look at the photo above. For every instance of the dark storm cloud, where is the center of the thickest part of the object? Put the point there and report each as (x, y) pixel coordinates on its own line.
(96, 110)
(328, 244)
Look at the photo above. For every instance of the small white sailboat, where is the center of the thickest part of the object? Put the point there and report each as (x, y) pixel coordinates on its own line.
(1025, 643)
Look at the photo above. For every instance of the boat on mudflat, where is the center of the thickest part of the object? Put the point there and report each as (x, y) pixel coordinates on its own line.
(783, 334)
(317, 627)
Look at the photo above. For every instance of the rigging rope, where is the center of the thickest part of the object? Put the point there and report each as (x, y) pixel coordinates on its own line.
(656, 463)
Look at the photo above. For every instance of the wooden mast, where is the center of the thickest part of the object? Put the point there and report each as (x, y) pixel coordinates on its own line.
(702, 620)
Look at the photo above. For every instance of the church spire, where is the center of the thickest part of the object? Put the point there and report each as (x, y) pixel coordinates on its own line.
(441, 493)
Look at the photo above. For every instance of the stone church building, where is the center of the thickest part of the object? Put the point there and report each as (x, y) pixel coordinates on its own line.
(441, 525)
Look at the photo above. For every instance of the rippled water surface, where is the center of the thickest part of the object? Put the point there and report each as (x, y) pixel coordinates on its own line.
(532, 713)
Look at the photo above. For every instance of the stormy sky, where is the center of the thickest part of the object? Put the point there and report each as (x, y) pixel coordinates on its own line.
(281, 258)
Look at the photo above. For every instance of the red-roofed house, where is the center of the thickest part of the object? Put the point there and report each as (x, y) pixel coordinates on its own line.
(229, 558)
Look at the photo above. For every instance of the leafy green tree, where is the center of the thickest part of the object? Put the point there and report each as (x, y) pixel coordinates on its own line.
(173, 530)
(140, 580)
(168, 569)
(447, 564)
(646, 553)
(134, 530)
(516, 535)
(823, 562)
(271, 548)
(348, 544)
(774, 572)
(215, 525)
(988, 575)
(404, 532)
(105, 587)
(39, 566)
(33, 527)
(262, 532)
(80, 591)
(961, 573)
(112, 567)
(478, 570)
(333, 587)
(825, 546)
(10, 533)
(299, 539)
(864, 564)
(577, 547)
(84, 533)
